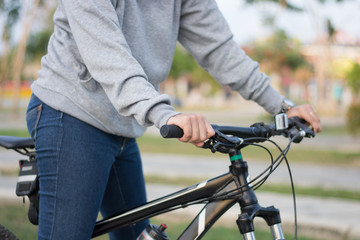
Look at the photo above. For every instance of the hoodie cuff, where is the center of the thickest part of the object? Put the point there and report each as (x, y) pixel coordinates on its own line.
(160, 114)
(271, 100)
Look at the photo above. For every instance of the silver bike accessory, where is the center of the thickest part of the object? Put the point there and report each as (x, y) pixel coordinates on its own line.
(281, 121)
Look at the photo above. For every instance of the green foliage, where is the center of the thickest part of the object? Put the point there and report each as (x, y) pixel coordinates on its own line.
(220, 230)
(38, 41)
(199, 76)
(185, 64)
(353, 79)
(353, 119)
(14, 132)
(37, 44)
(267, 187)
(280, 51)
(14, 217)
(353, 113)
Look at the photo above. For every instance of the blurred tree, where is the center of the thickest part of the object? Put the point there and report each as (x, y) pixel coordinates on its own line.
(340, 67)
(37, 44)
(353, 113)
(38, 41)
(18, 62)
(322, 26)
(185, 64)
(281, 50)
(353, 81)
(9, 12)
(281, 54)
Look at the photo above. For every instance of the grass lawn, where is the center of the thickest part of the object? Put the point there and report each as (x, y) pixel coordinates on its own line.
(154, 144)
(15, 132)
(276, 188)
(14, 217)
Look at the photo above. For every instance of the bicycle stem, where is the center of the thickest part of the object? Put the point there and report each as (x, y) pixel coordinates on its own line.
(239, 169)
(248, 202)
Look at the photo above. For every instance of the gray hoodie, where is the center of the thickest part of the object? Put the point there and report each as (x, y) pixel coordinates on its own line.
(106, 58)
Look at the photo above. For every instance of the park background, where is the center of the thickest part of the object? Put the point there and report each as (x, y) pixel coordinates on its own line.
(311, 50)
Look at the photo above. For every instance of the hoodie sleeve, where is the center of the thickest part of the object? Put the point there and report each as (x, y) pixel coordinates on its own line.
(205, 33)
(97, 32)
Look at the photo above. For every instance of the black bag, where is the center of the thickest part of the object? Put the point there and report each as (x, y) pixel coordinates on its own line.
(28, 185)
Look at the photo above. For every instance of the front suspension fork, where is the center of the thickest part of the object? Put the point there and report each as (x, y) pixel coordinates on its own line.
(250, 207)
(275, 230)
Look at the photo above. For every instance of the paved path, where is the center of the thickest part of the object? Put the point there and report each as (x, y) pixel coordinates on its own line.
(303, 174)
(203, 167)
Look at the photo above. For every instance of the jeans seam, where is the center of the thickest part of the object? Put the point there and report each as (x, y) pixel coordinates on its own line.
(59, 143)
(39, 109)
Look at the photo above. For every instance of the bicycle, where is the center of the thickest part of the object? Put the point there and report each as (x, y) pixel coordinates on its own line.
(218, 194)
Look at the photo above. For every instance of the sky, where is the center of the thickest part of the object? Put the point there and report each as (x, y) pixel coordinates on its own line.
(246, 21)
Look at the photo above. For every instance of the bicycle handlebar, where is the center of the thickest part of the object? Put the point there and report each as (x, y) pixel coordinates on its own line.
(258, 130)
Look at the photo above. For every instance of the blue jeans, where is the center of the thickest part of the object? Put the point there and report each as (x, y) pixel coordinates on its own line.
(82, 170)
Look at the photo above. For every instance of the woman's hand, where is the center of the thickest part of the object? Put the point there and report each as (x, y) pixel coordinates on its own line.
(196, 128)
(307, 113)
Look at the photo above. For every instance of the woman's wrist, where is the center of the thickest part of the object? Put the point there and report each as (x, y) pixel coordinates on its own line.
(286, 105)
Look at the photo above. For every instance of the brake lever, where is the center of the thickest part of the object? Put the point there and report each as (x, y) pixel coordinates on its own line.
(222, 143)
(299, 127)
(300, 124)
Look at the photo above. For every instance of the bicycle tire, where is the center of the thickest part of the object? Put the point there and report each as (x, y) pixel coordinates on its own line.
(5, 234)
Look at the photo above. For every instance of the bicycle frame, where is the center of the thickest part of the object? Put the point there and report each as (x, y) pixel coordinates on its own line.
(182, 197)
(211, 212)
(219, 194)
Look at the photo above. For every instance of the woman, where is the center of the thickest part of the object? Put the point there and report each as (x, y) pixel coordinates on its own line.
(97, 91)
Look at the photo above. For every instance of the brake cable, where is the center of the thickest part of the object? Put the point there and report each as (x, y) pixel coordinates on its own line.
(273, 166)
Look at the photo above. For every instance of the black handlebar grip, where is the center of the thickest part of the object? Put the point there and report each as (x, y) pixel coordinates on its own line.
(171, 131)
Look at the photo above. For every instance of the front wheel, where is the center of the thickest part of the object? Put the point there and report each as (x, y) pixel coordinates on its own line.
(6, 234)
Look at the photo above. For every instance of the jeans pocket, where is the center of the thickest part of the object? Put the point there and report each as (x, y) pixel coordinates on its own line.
(32, 119)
